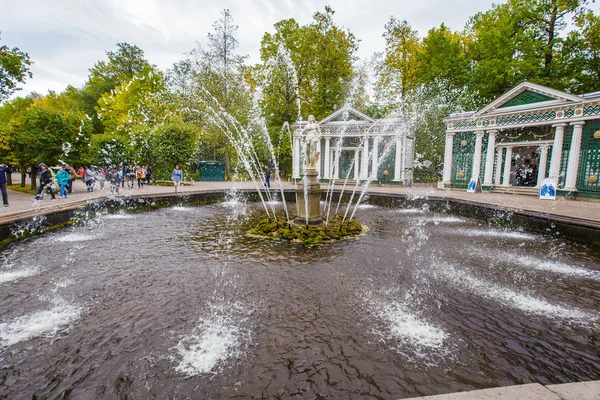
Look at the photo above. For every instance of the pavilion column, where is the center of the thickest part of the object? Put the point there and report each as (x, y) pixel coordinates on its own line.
(498, 165)
(375, 160)
(574, 156)
(543, 164)
(489, 157)
(327, 155)
(364, 169)
(356, 164)
(559, 132)
(477, 155)
(296, 167)
(448, 158)
(337, 164)
(319, 160)
(398, 160)
(507, 166)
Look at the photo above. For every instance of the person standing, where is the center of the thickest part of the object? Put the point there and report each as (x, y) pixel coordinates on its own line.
(4, 172)
(140, 175)
(267, 171)
(81, 173)
(62, 179)
(45, 182)
(177, 176)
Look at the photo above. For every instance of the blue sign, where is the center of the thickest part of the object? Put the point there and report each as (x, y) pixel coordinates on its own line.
(548, 189)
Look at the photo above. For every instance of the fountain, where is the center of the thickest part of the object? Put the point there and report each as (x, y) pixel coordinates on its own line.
(308, 193)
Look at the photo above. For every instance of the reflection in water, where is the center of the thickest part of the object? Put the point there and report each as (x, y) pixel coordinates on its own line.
(179, 303)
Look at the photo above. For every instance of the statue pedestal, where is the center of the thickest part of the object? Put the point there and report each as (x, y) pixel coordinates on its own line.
(314, 200)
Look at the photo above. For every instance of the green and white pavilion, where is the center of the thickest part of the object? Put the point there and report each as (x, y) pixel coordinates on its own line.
(530, 133)
(358, 147)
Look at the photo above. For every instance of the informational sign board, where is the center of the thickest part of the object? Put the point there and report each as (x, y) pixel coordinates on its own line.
(548, 189)
(474, 185)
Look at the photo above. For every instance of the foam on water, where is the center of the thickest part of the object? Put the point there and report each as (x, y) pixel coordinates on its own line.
(118, 216)
(410, 211)
(13, 275)
(75, 237)
(437, 220)
(366, 206)
(548, 265)
(181, 208)
(213, 341)
(409, 328)
(39, 324)
(495, 233)
(524, 302)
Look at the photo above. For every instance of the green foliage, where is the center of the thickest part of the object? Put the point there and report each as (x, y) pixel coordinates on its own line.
(14, 70)
(173, 144)
(49, 131)
(309, 236)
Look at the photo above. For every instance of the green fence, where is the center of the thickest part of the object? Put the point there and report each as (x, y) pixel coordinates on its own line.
(212, 170)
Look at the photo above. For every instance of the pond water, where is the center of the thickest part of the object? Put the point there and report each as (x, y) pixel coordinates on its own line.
(178, 303)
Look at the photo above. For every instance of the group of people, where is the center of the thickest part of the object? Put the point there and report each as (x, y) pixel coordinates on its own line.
(62, 180)
(526, 175)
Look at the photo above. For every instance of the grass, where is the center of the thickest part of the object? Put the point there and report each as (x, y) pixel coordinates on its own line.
(19, 188)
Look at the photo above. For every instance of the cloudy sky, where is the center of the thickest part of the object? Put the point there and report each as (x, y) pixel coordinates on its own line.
(64, 38)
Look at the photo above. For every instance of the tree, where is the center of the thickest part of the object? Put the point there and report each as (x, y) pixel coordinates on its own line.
(14, 70)
(49, 131)
(581, 54)
(399, 69)
(219, 73)
(122, 66)
(173, 144)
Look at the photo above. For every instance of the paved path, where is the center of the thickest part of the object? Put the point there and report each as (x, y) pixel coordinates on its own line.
(21, 205)
(533, 391)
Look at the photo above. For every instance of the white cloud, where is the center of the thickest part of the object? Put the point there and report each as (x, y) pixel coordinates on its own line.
(65, 38)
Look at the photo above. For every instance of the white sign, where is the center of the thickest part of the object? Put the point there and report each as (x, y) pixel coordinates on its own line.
(474, 185)
(548, 189)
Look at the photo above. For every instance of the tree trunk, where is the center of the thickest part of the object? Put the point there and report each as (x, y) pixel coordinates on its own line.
(32, 176)
(9, 179)
(23, 176)
(550, 45)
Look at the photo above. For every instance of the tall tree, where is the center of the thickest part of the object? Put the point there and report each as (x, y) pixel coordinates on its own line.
(122, 65)
(581, 54)
(219, 71)
(14, 70)
(399, 69)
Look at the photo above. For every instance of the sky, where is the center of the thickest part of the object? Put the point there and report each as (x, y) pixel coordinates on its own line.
(65, 38)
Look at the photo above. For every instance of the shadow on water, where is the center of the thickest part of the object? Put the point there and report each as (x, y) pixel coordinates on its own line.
(179, 303)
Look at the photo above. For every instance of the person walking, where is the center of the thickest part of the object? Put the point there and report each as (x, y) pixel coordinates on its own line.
(267, 171)
(101, 177)
(115, 178)
(177, 176)
(5, 171)
(88, 178)
(62, 179)
(72, 177)
(45, 182)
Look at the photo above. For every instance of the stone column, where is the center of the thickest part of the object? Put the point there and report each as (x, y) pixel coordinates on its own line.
(337, 164)
(559, 132)
(507, 166)
(356, 164)
(498, 165)
(375, 159)
(574, 155)
(448, 158)
(327, 155)
(319, 160)
(398, 161)
(477, 155)
(489, 157)
(296, 167)
(542, 165)
(364, 169)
